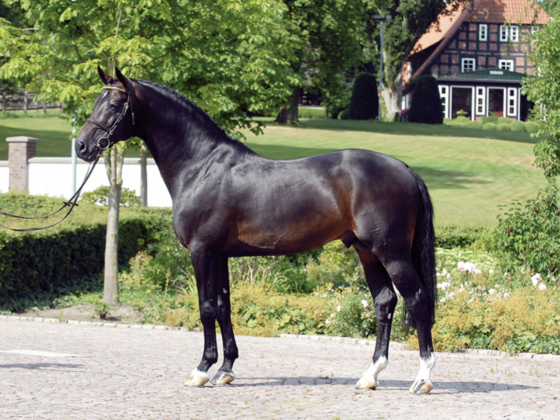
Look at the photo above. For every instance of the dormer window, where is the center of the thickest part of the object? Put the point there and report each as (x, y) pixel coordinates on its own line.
(483, 32)
(467, 64)
(506, 65)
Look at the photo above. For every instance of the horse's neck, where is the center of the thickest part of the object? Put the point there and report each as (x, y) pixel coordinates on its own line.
(181, 140)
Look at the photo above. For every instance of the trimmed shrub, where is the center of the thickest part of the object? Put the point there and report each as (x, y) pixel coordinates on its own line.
(490, 119)
(531, 127)
(504, 120)
(518, 126)
(426, 103)
(364, 104)
(344, 114)
(489, 126)
(474, 124)
(503, 127)
(453, 236)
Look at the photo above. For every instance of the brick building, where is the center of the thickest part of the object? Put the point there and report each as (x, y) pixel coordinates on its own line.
(479, 57)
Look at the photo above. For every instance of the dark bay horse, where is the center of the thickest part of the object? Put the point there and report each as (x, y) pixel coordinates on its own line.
(228, 201)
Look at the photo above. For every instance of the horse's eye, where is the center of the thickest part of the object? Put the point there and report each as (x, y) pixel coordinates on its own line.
(114, 105)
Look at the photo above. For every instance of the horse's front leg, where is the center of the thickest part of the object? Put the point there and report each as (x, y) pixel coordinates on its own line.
(206, 268)
(225, 374)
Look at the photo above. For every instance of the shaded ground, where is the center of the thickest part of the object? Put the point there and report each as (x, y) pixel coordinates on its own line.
(121, 314)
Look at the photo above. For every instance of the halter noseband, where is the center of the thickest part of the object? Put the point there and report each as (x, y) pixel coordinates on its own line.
(110, 130)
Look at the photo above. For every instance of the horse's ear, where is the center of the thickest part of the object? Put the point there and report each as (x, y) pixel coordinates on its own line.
(104, 76)
(122, 79)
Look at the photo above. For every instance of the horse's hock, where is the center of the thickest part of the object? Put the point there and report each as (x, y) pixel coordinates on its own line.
(20, 150)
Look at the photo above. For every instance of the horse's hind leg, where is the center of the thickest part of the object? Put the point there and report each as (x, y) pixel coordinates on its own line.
(385, 300)
(225, 374)
(419, 304)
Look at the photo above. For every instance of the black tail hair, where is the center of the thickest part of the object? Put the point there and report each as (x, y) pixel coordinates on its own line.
(423, 249)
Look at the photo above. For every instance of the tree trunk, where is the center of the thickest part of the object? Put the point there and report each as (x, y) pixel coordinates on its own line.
(144, 176)
(25, 101)
(114, 159)
(290, 115)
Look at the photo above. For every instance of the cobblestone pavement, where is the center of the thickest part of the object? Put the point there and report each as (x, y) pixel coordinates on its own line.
(93, 372)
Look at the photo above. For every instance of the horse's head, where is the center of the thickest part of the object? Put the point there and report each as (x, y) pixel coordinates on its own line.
(112, 119)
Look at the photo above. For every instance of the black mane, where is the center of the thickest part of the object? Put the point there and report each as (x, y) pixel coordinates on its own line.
(197, 113)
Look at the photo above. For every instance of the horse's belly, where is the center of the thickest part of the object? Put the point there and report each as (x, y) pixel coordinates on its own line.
(278, 238)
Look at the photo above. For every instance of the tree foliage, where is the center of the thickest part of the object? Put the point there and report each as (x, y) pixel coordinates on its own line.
(426, 103)
(229, 56)
(543, 89)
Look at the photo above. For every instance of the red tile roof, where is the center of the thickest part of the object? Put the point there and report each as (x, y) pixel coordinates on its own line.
(511, 11)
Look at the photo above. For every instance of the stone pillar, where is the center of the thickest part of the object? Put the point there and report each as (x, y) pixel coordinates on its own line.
(20, 150)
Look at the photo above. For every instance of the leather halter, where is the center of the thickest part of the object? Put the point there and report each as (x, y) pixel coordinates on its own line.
(110, 130)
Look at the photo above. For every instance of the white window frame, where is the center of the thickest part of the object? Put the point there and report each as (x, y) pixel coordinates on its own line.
(514, 33)
(480, 101)
(535, 29)
(483, 32)
(444, 95)
(464, 62)
(504, 33)
(511, 103)
(507, 65)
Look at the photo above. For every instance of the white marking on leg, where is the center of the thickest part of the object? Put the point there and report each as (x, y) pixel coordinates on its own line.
(422, 383)
(197, 378)
(369, 378)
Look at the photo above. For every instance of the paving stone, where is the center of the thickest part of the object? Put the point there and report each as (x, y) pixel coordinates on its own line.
(138, 373)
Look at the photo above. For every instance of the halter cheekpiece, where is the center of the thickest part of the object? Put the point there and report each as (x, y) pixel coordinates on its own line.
(109, 131)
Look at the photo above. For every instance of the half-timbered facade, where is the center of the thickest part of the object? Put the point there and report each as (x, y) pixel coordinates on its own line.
(479, 57)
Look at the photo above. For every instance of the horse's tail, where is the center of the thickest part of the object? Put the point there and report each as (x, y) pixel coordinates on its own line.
(423, 248)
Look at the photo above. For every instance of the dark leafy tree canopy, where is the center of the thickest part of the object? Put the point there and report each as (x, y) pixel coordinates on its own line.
(230, 56)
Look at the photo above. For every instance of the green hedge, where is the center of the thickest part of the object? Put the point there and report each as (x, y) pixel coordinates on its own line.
(51, 261)
(453, 236)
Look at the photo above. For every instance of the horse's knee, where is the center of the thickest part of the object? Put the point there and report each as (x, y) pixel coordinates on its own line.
(208, 312)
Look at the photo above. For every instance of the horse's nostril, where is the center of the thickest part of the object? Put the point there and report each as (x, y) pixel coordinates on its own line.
(83, 147)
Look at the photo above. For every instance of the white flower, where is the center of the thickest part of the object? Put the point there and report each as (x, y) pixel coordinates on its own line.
(448, 277)
(506, 295)
(491, 271)
(492, 291)
(443, 285)
(364, 302)
(536, 279)
(542, 287)
(338, 308)
(333, 315)
(328, 321)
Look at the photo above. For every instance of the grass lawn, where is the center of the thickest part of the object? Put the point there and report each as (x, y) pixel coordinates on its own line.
(469, 171)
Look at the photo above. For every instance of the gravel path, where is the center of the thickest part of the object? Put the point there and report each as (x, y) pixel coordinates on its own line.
(71, 371)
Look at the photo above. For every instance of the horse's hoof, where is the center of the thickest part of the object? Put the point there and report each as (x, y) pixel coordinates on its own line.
(223, 378)
(363, 383)
(421, 387)
(197, 378)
